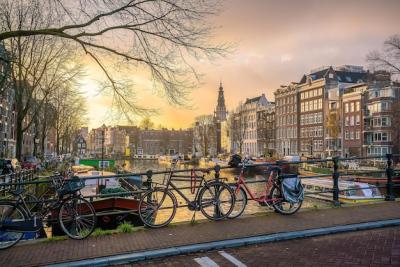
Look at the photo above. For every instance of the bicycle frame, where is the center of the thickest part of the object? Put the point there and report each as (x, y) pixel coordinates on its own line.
(189, 202)
(263, 198)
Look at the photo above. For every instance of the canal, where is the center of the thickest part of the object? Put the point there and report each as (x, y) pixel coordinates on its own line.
(184, 214)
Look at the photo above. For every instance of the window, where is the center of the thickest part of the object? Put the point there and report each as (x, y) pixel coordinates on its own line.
(358, 106)
(315, 105)
(306, 95)
(358, 120)
(351, 120)
(346, 107)
(351, 135)
(346, 135)
(346, 122)
(358, 135)
(352, 107)
(320, 103)
(385, 121)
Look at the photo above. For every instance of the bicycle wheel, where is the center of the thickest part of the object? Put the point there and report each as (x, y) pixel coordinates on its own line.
(280, 205)
(157, 207)
(240, 202)
(9, 212)
(77, 217)
(216, 200)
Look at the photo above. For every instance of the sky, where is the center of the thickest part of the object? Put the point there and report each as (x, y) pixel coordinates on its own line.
(276, 42)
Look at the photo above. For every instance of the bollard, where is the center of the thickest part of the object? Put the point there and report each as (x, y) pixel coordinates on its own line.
(335, 177)
(389, 174)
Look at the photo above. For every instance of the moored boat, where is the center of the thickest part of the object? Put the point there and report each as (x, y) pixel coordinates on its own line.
(350, 192)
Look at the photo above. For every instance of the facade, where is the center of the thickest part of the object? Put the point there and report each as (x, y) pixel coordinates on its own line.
(353, 123)
(381, 120)
(314, 90)
(80, 146)
(287, 110)
(244, 131)
(266, 130)
(7, 111)
(96, 141)
(166, 142)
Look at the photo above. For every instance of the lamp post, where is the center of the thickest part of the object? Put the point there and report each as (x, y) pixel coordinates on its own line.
(102, 152)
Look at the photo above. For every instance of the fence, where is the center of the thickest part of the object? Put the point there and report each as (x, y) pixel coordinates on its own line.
(26, 178)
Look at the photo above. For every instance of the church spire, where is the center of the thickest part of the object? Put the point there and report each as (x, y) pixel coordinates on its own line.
(220, 111)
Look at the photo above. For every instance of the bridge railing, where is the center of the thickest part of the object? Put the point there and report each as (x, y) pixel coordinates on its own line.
(148, 176)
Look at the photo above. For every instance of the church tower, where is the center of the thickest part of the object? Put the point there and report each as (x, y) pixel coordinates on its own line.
(220, 111)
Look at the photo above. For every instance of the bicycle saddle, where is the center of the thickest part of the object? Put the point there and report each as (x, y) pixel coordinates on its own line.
(17, 192)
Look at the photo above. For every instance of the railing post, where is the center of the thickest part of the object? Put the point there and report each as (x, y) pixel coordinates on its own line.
(217, 170)
(389, 175)
(335, 177)
(149, 182)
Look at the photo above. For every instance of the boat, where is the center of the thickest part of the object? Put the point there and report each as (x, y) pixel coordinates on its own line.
(82, 168)
(355, 192)
(165, 159)
(113, 210)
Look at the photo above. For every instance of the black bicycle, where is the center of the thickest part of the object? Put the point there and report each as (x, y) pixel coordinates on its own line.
(75, 215)
(214, 198)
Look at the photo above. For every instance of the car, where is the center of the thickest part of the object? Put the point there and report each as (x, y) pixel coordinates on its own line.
(31, 162)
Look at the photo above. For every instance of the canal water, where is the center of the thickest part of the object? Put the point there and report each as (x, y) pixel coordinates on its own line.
(184, 214)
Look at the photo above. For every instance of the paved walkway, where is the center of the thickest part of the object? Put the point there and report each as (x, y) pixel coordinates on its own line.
(69, 250)
(377, 247)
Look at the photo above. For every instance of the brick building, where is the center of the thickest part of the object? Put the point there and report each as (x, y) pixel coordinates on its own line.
(314, 104)
(286, 102)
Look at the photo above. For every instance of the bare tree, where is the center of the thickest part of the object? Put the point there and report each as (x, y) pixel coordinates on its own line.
(238, 126)
(389, 57)
(205, 135)
(38, 66)
(163, 36)
(146, 123)
(70, 116)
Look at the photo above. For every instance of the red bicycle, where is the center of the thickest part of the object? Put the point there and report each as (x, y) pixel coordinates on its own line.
(271, 196)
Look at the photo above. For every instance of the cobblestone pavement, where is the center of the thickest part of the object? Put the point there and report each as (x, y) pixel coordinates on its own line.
(93, 247)
(378, 247)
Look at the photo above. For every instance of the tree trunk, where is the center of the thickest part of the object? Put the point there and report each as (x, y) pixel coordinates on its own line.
(19, 138)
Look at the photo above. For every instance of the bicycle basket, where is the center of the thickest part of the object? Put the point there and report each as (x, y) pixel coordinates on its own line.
(71, 187)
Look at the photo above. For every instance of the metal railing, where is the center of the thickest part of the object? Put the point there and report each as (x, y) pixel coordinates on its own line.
(25, 179)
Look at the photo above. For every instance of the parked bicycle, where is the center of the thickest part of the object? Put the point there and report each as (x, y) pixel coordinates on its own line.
(214, 198)
(75, 215)
(271, 196)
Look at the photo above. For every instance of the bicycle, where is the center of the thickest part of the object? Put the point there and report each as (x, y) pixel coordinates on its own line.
(272, 195)
(75, 215)
(157, 206)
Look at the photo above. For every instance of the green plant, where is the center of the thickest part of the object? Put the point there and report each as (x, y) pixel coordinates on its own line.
(55, 238)
(125, 227)
(99, 232)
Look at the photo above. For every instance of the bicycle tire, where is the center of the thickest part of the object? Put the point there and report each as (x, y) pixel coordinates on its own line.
(157, 208)
(277, 205)
(240, 202)
(214, 213)
(4, 235)
(83, 218)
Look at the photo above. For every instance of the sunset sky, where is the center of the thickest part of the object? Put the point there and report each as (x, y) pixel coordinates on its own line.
(276, 43)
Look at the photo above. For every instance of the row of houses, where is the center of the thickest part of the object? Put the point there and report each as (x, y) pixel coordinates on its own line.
(128, 141)
(331, 111)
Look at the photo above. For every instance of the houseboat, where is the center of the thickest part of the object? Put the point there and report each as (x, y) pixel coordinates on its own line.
(350, 192)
